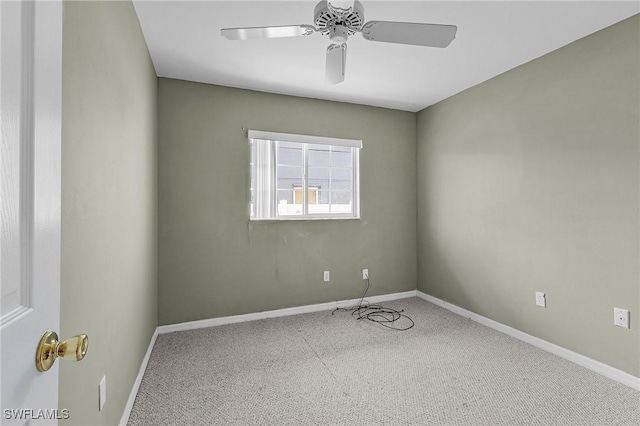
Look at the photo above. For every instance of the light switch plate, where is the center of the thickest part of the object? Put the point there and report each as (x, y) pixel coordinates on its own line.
(541, 299)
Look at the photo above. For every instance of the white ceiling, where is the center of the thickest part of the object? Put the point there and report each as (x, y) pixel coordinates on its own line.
(493, 36)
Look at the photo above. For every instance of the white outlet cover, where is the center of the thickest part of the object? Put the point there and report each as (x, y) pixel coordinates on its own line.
(541, 299)
(621, 317)
(365, 274)
(327, 276)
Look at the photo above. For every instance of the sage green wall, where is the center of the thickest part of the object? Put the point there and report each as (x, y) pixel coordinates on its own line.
(213, 262)
(109, 205)
(530, 182)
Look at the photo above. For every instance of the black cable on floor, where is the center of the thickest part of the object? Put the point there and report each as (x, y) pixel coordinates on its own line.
(377, 313)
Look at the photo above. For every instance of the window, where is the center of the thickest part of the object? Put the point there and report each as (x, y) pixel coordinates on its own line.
(303, 177)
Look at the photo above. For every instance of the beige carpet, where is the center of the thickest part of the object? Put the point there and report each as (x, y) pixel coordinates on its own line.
(321, 368)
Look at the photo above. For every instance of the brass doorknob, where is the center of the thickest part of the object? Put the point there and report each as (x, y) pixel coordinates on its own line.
(49, 348)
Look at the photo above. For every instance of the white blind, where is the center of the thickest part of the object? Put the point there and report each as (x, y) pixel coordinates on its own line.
(318, 140)
(265, 179)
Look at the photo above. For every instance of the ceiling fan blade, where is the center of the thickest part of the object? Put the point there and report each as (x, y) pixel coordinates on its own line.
(336, 62)
(432, 35)
(267, 32)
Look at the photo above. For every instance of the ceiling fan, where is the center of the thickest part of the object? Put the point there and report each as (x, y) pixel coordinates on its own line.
(341, 22)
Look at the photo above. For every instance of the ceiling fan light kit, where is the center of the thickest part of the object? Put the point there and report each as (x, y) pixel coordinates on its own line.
(339, 21)
(339, 34)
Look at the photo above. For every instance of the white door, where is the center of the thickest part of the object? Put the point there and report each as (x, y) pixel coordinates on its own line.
(30, 92)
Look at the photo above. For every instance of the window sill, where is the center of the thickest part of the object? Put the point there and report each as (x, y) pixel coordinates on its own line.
(303, 219)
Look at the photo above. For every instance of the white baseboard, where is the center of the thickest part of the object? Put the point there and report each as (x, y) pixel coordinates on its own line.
(192, 325)
(593, 365)
(136, 385)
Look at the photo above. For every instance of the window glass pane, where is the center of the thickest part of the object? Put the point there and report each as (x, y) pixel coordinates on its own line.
(341, 201)
(293, 145)
(288, 176)
(318, 184)
(312, 196)
(340, 197)
(289, 202)
(318, 172)
(342, 184)
(324, 197)
(342, 174)
(289, 153)
(341, 157)
(322, 205)
(319, 155)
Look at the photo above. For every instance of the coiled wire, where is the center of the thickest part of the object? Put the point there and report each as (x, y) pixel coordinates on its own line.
(387, 317)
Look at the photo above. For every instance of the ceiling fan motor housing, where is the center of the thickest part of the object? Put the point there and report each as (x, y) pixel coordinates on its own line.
(328, 21)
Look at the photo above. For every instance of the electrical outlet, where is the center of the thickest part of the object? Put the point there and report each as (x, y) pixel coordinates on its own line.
(621, 317)
(541, 299)
(102, 393)
(365, 274)
(327, 276)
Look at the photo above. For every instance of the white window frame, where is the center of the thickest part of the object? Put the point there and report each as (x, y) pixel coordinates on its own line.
(265, 204)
